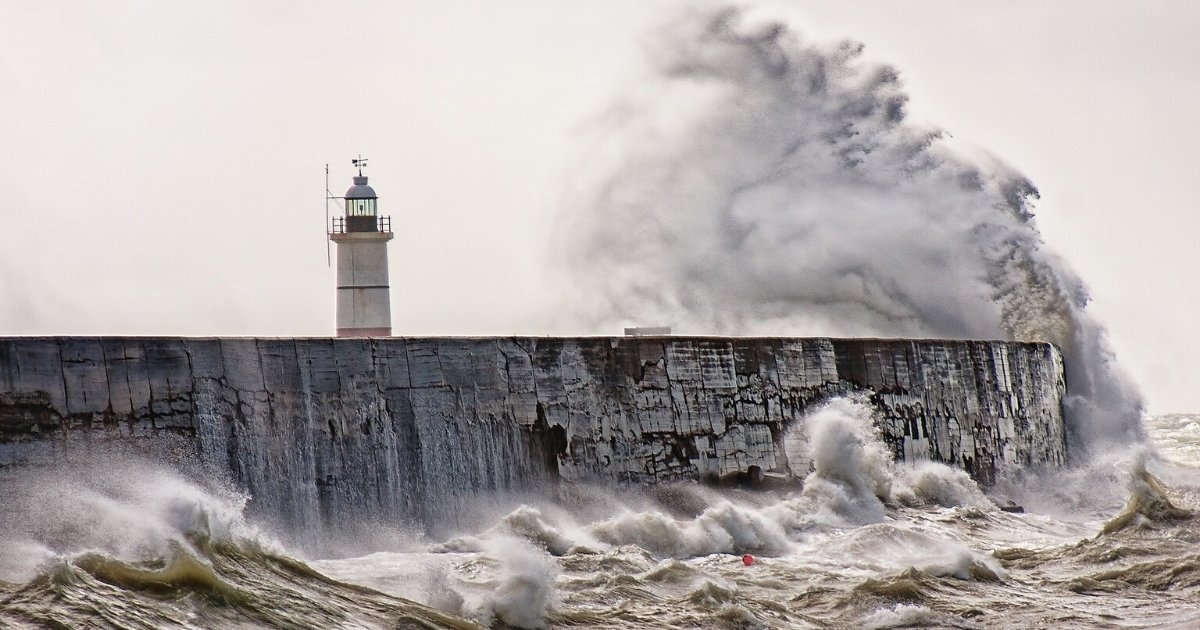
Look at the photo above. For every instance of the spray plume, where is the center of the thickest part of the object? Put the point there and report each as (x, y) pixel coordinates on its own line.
(758, 183)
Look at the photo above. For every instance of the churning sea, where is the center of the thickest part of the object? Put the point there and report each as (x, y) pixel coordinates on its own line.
(864, 542)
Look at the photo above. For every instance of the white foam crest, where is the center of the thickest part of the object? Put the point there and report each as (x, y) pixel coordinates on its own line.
(854, 476)
(852, 473)
(656, 532)
(459, 544)
(749, 524)
(524, 587)
(440, 592)
(912, 616)
(122, 507)
(934, 483)
(950, 559)
(501, 578)
(21, 559)
(514, 556)
(531, 524)
(427, 578)
(1185, 478)
(547, 527)
(888, 549)
(722, 528)
(738, 616)
(1177, 437)
(743, 530)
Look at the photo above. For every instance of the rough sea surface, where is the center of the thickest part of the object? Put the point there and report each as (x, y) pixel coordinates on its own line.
(860, 542)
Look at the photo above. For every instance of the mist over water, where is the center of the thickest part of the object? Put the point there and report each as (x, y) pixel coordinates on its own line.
(127, 539)
(757, 182)
(867, 542)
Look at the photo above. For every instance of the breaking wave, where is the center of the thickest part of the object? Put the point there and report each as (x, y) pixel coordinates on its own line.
(133, 544)
(757, 182)
(867, 542)
(1149, 504)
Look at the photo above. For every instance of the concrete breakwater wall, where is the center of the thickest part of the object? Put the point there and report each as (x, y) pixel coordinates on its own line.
(319, 430)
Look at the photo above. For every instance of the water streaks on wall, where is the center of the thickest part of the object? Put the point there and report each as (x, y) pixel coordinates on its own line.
(324, 431)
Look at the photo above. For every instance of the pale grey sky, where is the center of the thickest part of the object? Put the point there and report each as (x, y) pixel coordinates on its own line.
(162, 161)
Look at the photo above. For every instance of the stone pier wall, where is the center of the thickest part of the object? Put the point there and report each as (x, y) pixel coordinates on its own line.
(315, 428)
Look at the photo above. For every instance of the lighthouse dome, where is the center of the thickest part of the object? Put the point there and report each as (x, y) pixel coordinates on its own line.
(360, 189)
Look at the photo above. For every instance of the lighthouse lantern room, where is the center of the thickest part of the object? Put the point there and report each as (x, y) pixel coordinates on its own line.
(361, 235)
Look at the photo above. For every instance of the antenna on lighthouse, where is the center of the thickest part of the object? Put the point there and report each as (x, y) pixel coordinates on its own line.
(328, 256)
(329, 196)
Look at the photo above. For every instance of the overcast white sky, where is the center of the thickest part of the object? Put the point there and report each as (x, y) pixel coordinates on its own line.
(161, 161)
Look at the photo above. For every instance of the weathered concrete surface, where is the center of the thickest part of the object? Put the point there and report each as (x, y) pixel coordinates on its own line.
(319, 429)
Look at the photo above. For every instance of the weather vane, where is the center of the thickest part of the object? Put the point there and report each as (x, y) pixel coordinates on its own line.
(360, 162)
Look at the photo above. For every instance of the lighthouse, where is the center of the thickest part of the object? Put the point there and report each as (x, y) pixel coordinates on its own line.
(364, 306)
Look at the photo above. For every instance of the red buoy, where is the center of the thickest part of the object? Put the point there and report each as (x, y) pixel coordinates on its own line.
(747, 559)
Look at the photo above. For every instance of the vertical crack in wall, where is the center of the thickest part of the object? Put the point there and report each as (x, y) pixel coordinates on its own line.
(66, 401)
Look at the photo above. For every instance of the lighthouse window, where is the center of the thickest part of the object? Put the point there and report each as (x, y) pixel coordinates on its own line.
(360, 207)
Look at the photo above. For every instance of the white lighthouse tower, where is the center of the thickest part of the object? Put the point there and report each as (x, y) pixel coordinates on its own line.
(363, 299)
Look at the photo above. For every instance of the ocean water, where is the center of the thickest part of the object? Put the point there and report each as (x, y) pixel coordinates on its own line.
(860, 542)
